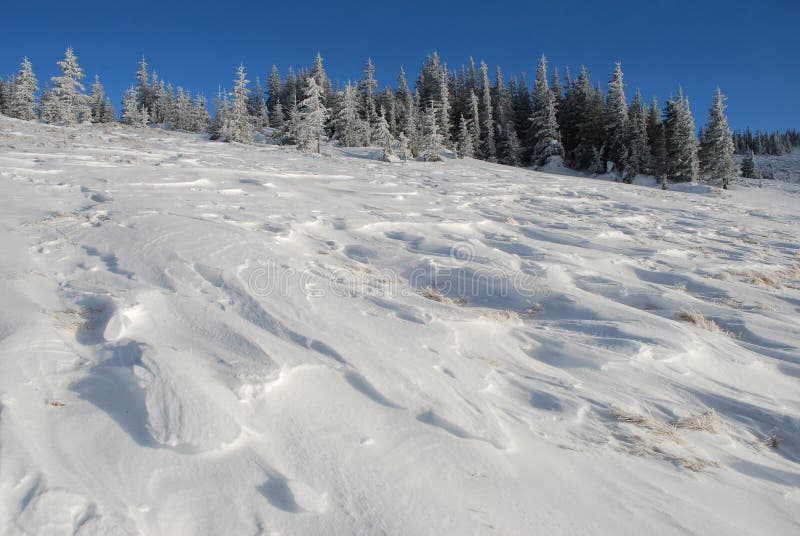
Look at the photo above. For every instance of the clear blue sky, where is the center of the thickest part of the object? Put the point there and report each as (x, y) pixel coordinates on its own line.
(751, 49)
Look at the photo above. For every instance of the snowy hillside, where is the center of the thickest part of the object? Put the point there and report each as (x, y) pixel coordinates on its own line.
(207, 338)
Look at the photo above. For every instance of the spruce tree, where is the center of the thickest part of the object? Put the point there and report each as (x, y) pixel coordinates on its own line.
(748, 168)
(716, 147)
(351, 129)
(22, 100)
(488, 149)
(545, 133)
(431, 141)
(313, 115)
(237, 126)
(404, 104)
(102, 111)
(656, 142)
(47, 105)
(474, 124)
(682, 165)
(638, 153)
(257, 107)
(200, 118)
(69, 100)
(465, 144)
(615, 122)
(384, 135)
(274, 105)
(367, 87)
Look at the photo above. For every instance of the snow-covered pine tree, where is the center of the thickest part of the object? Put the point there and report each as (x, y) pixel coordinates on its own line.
(22, 100)
(143, 88)
(523, 111)
(546, 135)
(237, 126)
(474, 123)
(102, 111)
(274, 105)
(615, 121)
(313, 115)
(367, 86)
(130, 112)
(716, 145)
(200, 118)
(321, 77)
(222, 107)
(638, 153)
(433, 88)
(69, 99)
(404, 105)
(656, 142)
(257, 107)
(351, 129)
(405, 151)
(431, 140)
(488, 148)
(748, 168)
(679, 132)
(3, 97)
(465, 144)
(184, 114)
(47, 105)
(384, 135)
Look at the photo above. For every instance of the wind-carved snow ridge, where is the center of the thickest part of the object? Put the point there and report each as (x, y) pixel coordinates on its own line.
(207, 338)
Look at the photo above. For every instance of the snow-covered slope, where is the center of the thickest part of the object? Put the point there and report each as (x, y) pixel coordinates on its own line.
(205, 338)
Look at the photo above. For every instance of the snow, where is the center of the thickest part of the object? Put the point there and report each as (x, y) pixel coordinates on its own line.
(209, 338)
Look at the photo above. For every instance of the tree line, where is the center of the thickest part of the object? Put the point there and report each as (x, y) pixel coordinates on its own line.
(567, 120)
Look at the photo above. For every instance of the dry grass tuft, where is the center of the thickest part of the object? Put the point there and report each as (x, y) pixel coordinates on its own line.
(501, 314)
(648, 423)
(754, 278)
(706, 421)
(56, 403)
(771, 442)
(433, 295)
(702, 322)
(679, 287)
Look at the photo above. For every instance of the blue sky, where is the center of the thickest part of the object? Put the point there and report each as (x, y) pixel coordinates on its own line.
(750, 49)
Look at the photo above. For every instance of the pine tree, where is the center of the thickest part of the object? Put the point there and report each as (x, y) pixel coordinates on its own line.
(313, 115)
(22, 100)
(351, 129)
(131, 114)
(321, 77)
(431, 141)
(465, 144)
(237, 126)
(143, 88)
(404, 106)
(200, 118)
(384, 135)
(274, 105)
(69, 99)
(102, 111)
(656, 141)
(257, 107)
(488, 149)
(367, 87)
(474, 124)
(546, 135)
(749, 165)
(716, 147)
(638, 153)
(47, 105)
(4, 97)
(682, 165)
(615, 121)
(222, 108)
